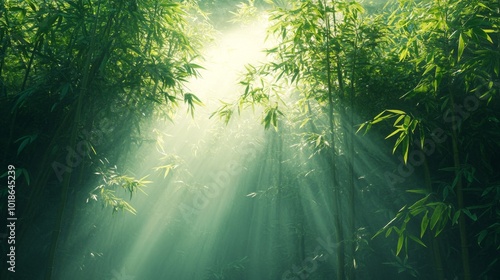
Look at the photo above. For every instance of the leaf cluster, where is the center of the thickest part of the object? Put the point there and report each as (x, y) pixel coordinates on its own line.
(111, 182)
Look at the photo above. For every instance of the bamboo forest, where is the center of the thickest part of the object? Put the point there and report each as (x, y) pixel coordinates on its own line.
(250, 139)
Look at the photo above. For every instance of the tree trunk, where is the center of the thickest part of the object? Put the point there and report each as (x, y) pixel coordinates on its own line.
(334, 179)
(460, 195)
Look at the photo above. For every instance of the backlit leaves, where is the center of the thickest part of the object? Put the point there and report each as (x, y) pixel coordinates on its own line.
(461, 46)
(191, 100)
(433, 217)
(405, 127)
(112, 181)
(271, 117)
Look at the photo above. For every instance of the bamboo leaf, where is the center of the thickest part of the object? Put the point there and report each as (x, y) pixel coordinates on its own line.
(422, 137)
(461, 46)
(406, 148)
(441, 226)
(398, 112)
(424, 224)
(400, 243)
(25, 140)
(416, 239)
(398, 142)
(418, 191)
(388, 224)
(398, 120)
(394, 133)
(469, 214)
(318, 141)
(481, 236)
(419, 203)
(388, 232)
(403, 54)
(436, 216)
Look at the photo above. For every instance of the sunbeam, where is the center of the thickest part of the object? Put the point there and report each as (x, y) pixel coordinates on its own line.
(181, 217)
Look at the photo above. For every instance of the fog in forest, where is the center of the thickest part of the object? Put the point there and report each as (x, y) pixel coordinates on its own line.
(203, 140)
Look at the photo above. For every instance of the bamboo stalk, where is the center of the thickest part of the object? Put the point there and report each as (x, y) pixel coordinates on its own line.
(434, 244)
(464, 246)
(336, 198)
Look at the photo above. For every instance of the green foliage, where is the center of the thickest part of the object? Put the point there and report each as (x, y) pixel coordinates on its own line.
(224, 112)
(191, 100)
(298, 60)
(25, 140)
(78, 79)
(310, 82)
(451, 42)
(92, 68)
(73, 49)
(271, 117)
(172, 162)
(433, 215)
(453, 46)
(432, 62)
(405, 126)
(245, 13)
(111, 181)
